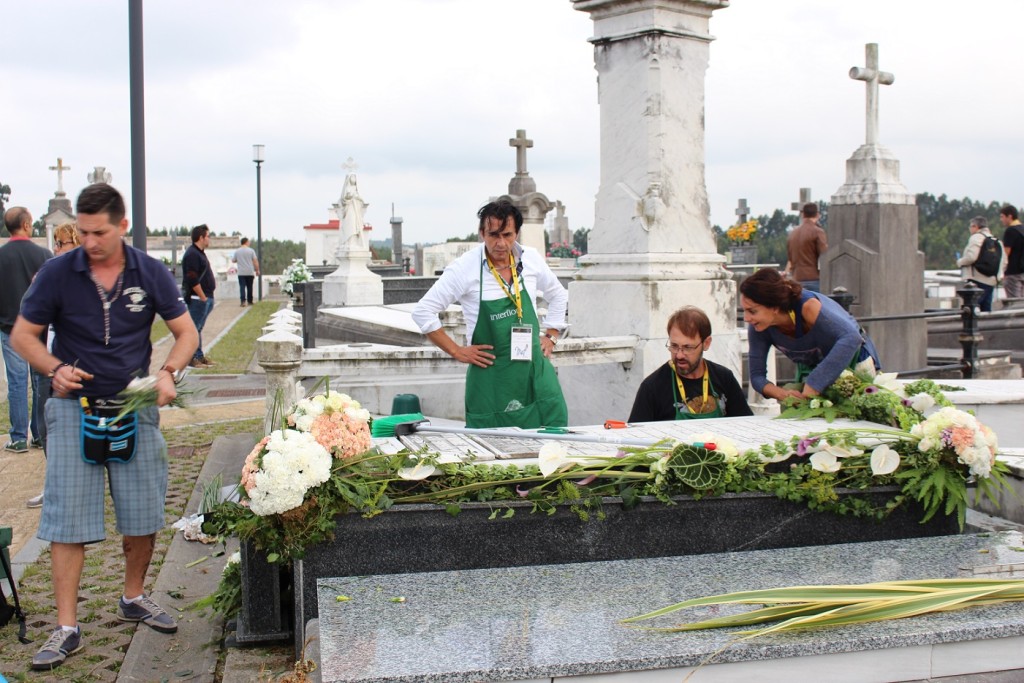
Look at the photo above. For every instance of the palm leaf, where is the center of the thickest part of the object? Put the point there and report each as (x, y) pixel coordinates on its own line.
(808, 607)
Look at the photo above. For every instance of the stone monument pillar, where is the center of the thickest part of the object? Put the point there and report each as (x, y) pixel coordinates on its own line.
(560, 231)
(396, 238)
(522, 191)
(651, 249)
(872, 237)
(352, 284)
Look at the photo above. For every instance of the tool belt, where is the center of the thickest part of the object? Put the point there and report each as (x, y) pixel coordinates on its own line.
(106, 437)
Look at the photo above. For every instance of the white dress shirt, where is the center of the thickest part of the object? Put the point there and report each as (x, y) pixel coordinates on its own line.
(460, 283)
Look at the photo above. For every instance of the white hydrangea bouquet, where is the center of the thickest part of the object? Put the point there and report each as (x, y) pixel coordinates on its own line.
(281, 469)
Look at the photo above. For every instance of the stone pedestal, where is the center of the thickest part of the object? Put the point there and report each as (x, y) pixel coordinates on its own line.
(872, 235)
(651, 249)
(352, 284)
(279, 353)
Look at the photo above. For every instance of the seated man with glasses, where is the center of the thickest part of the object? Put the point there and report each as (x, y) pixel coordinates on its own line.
(689, 386)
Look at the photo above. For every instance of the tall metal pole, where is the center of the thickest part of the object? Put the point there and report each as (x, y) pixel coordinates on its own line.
(137, 109)
(259, 231)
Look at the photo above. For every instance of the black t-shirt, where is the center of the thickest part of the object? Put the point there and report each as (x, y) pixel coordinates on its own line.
(1013, 239)
(656, 395)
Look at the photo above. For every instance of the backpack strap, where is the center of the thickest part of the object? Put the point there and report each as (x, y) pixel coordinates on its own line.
(18, 613)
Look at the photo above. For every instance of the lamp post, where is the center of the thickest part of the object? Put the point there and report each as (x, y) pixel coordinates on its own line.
(257, 156)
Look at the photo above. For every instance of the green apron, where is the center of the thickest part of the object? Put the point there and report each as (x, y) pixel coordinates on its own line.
(511, 393)
(683, 411)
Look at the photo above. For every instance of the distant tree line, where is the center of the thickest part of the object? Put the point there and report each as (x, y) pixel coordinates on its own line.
(941, 230)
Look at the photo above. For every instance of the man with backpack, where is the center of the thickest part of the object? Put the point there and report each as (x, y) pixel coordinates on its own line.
(1013, 245)
(982, 262)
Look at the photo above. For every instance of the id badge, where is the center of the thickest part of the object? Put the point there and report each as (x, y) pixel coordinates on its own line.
(522, 343)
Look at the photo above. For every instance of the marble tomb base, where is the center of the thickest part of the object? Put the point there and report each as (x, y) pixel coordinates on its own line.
(549, 623)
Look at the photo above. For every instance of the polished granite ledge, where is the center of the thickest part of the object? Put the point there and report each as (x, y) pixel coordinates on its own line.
(544, 622)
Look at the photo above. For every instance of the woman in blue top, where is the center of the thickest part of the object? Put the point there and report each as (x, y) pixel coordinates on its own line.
(810, 329)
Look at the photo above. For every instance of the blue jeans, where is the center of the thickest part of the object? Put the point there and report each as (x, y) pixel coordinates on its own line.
(199, 310)
(245, 287)
(985, 304)
(17, 390)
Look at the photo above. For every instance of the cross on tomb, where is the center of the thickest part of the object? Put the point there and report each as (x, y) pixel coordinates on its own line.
(872, 77)
(60, 168)
(521, 143)
(805, 198)
(743, 211)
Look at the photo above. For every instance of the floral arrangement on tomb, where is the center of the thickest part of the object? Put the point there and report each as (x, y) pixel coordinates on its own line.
(864, 394)
(296, 271)
(563, 250)
(742, 233)
(299, 479)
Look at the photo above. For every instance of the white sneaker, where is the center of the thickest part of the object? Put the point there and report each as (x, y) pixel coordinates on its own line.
(36, 502)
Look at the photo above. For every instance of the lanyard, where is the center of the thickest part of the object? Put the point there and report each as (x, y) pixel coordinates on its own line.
(517, 296)
(682, 389)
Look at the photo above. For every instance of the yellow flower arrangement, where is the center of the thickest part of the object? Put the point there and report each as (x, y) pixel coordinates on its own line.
(742, 233)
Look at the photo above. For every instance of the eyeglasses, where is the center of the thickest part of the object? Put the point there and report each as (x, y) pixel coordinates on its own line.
(60, 245)
(685, 348)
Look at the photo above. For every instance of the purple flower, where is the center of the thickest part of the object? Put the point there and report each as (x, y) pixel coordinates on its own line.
(906, 402)
(871, 389)
(586, 480)
(810, 442)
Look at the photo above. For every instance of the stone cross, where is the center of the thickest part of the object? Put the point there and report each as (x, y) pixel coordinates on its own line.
(743, 211)
(521, 144)
(805, 198)
(60, 168)
(99, 174)
(872, 77)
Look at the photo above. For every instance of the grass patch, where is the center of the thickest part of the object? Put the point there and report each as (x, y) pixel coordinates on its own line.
(234, 351)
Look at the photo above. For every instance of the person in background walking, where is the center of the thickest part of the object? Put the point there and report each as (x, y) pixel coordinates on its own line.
(198, 284)
(1013, 246)
(248, 270)
(20, 259)
(987, 283)
(805, 246)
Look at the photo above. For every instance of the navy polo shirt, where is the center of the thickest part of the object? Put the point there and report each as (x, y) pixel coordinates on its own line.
(63, 295)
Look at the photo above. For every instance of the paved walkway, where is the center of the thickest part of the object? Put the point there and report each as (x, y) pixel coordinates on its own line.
(214, 398)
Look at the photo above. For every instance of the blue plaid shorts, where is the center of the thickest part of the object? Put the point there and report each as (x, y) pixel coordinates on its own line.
(75, 490)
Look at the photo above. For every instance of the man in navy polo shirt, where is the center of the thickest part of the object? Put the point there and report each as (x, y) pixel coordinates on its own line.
(101, 300)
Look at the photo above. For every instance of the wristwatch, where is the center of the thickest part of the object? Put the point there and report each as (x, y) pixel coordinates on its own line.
(176, 375)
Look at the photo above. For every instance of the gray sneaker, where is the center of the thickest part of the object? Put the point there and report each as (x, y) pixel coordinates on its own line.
(17, 446)
(58, 646)
(148, 612)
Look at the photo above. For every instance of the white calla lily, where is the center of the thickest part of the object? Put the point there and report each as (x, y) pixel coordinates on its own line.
(884, 460)
(824, 461)
(887, 380)
(842, 451)
(552, 456)
(421, 470)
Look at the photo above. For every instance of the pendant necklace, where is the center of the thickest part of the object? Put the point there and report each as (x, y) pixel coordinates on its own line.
(107, 301)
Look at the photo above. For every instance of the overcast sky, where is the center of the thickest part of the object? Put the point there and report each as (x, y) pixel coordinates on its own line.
(425, 94)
